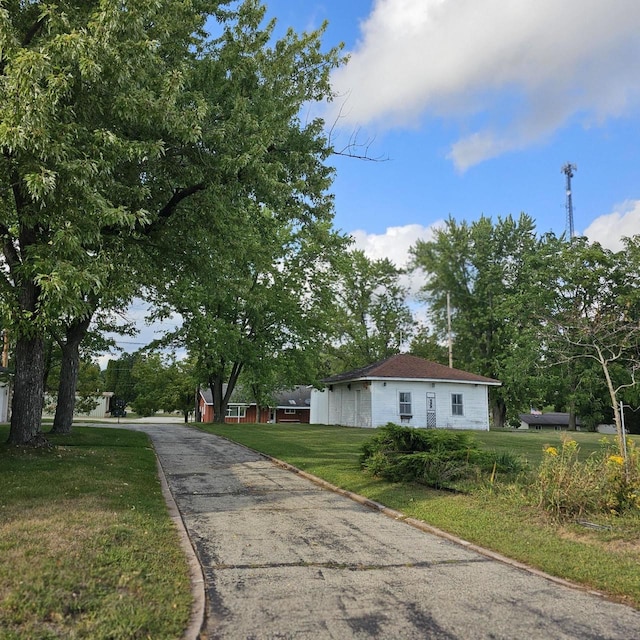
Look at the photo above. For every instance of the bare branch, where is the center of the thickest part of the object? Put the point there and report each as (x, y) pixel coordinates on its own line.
(354, 148)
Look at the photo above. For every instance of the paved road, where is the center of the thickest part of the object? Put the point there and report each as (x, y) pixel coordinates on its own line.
(284, 558)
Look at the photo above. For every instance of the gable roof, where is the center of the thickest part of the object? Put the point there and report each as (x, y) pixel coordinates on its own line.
(407, 367)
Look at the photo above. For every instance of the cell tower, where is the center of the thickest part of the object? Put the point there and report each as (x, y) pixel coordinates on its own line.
(568, 170)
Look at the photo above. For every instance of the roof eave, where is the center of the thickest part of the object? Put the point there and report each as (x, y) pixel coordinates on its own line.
(490, 383)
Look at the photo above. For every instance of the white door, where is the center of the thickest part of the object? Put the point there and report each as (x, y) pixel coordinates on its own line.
(431, 410)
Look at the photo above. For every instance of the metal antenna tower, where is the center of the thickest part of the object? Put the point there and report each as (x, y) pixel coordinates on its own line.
(568, 170)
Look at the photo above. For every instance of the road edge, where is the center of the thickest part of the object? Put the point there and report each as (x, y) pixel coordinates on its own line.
(196, 575)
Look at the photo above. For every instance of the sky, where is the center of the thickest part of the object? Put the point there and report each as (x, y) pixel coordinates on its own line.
(472, 107)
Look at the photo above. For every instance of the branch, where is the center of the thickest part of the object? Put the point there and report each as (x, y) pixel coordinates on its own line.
(178, 196)
(169, 209)
(348, 149)
(633, 380)
(35, 28)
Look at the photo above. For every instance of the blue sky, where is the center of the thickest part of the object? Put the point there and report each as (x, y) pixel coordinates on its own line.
(476, 105)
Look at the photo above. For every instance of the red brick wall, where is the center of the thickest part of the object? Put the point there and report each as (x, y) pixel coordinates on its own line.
(300, 415)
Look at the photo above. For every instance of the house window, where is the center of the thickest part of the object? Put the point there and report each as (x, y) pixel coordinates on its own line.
(405, 403)
(456, 404)
(289, 412)
(236, 412)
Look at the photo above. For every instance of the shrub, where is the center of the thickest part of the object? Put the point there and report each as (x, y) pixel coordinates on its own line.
(433, 457)
(566, 487)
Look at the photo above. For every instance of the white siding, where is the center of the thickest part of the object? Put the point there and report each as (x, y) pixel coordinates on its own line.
(100, 411)
(348, 405)
(319, 407)
(386, 404)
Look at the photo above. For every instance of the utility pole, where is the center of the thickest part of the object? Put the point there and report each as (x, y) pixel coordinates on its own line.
(568, 169)
(449, 330)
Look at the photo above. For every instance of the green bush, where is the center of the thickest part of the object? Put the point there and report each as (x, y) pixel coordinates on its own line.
(434, 457)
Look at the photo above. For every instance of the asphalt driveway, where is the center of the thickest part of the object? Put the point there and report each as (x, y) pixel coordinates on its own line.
(285, 558)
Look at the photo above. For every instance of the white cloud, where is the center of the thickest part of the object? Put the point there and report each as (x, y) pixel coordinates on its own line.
(524, 68)
(394, 243)
(609, 229)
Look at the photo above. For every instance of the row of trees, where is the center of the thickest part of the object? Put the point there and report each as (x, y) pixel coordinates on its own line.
(557, 322)
(136, 151)
(142, 156)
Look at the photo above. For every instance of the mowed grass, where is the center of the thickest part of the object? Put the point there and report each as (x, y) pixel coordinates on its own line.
(87, 549)
(496, 517)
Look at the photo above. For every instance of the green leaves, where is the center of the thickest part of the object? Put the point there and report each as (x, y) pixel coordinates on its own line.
(486, 269)
(372, 318)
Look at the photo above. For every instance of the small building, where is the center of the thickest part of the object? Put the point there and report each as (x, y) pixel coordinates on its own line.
(404, 389)
(553, 420)
(5, 395)
(291, 405)
(101, 409)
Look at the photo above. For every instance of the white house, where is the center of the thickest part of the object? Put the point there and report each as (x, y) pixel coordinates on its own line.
(102, 407)
(404, 389)
(5, 398)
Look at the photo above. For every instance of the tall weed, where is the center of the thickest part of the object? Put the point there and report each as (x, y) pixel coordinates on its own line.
(605, 483)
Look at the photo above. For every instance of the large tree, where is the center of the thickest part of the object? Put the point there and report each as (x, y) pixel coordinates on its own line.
(594, 317)
(252, 283)
(258, 301)
(487, 269)
(92, 97)
(373, 319)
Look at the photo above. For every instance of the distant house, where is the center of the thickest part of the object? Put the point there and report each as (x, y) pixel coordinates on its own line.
(546, 421)
(407, 390)
(291, 405)
(102, 408)
(5, 399)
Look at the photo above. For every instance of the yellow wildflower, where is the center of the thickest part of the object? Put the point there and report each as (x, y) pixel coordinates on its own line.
(552, 451)
(616, 459)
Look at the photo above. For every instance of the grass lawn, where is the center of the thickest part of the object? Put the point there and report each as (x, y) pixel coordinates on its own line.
(87, 549)
(499, 518)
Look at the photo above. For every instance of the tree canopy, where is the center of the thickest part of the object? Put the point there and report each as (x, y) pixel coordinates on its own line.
(486, 270)
(372, 317)
(113, 116)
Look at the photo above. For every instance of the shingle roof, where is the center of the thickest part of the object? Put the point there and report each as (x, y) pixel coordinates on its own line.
(298, 397)
(405, 366)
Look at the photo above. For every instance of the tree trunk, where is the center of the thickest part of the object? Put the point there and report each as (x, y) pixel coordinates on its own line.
(498, 413)
(198, 416)
(219, 405)
(573, 421)
(69, 369)
(220, 399)
(614, 404)
(28, 392)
